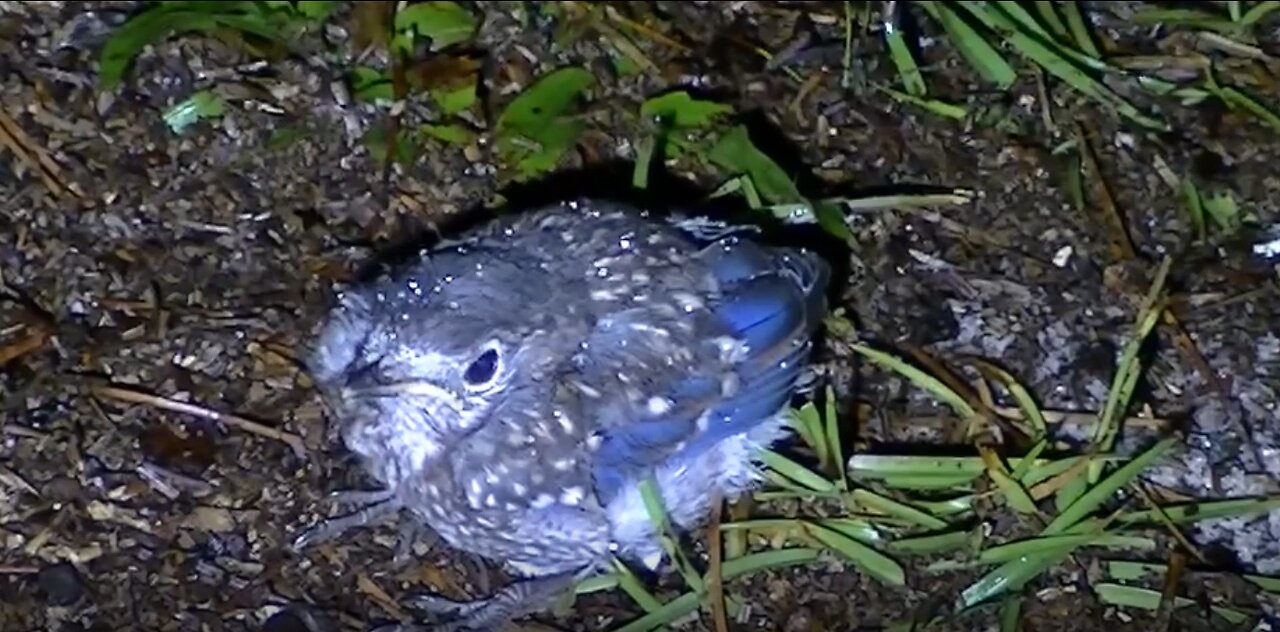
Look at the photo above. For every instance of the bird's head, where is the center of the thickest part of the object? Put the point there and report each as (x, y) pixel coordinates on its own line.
(412, 362)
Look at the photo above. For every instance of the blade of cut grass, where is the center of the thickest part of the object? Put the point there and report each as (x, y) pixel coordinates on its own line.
(1054, 60)
(1147, 599)
(1197, 511)
(921, 379)
(1014, 493)
(1098, 494)
(900, 53)
(833, 443)
(1080, 29)
(957, 506)
(1130, 367)
(669, 612)
(1235, 98)
(766, 560)
(932, 106)
(597, 584)
(1051, 545)
(635, 589)
(896, 509)
(1014, 574)
(1011, 614)
(1026, 403)
(892, 202)
(662, 524)
(927, 544)
(981, 55)
(808, 423)
(1126, 570)
(796, 472)
(1049, 14)
(874, 563)
(1025, 21)
(1022, 471)
(1258, 11)
(923, 482)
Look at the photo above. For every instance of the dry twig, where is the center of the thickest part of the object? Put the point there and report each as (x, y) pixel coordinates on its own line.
(235, 421)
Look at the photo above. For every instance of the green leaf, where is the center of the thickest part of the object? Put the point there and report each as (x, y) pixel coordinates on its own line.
(452, 134)
(456, 100)
(443, 22)
(167, 20)
(679, 110)
(376, 140)
(370, 84)
(1223, 210)
(316, 9)
(535, 130)
(735, 151)
(201, 105)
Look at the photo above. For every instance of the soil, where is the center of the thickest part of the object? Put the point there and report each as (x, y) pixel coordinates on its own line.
(192, 268)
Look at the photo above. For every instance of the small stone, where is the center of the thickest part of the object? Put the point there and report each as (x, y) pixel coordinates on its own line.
(60, 584)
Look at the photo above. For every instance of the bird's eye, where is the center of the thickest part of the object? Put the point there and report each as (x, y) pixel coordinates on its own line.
(482, 370)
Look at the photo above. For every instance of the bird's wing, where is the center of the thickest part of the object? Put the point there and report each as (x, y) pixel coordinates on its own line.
(656, 386)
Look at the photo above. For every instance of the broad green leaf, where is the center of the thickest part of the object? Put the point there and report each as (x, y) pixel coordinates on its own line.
(317, 9)
(371, 84)
(679, 110)
(736, 152)
(452, 134)
(535, 129)
(166, 20)
(443, 22)
(456, 100)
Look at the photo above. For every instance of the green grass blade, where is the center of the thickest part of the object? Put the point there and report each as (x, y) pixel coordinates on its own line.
(796, 472)
(1080, 29)
(1107, 487)
(1054, 59)
(1197, 511)
(921, 379)
(928, 544)
(980, 54)
(902, 58)
(766, 560)
(893, 508)
(874, 563)
(668, 613)
(832, 431)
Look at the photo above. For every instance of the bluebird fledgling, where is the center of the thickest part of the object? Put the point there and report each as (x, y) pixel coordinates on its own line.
(512, 389)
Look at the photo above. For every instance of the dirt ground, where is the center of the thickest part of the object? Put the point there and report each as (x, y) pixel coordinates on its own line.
(196, 267)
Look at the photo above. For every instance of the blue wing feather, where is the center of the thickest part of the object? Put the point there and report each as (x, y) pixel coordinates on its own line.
(773, 301)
